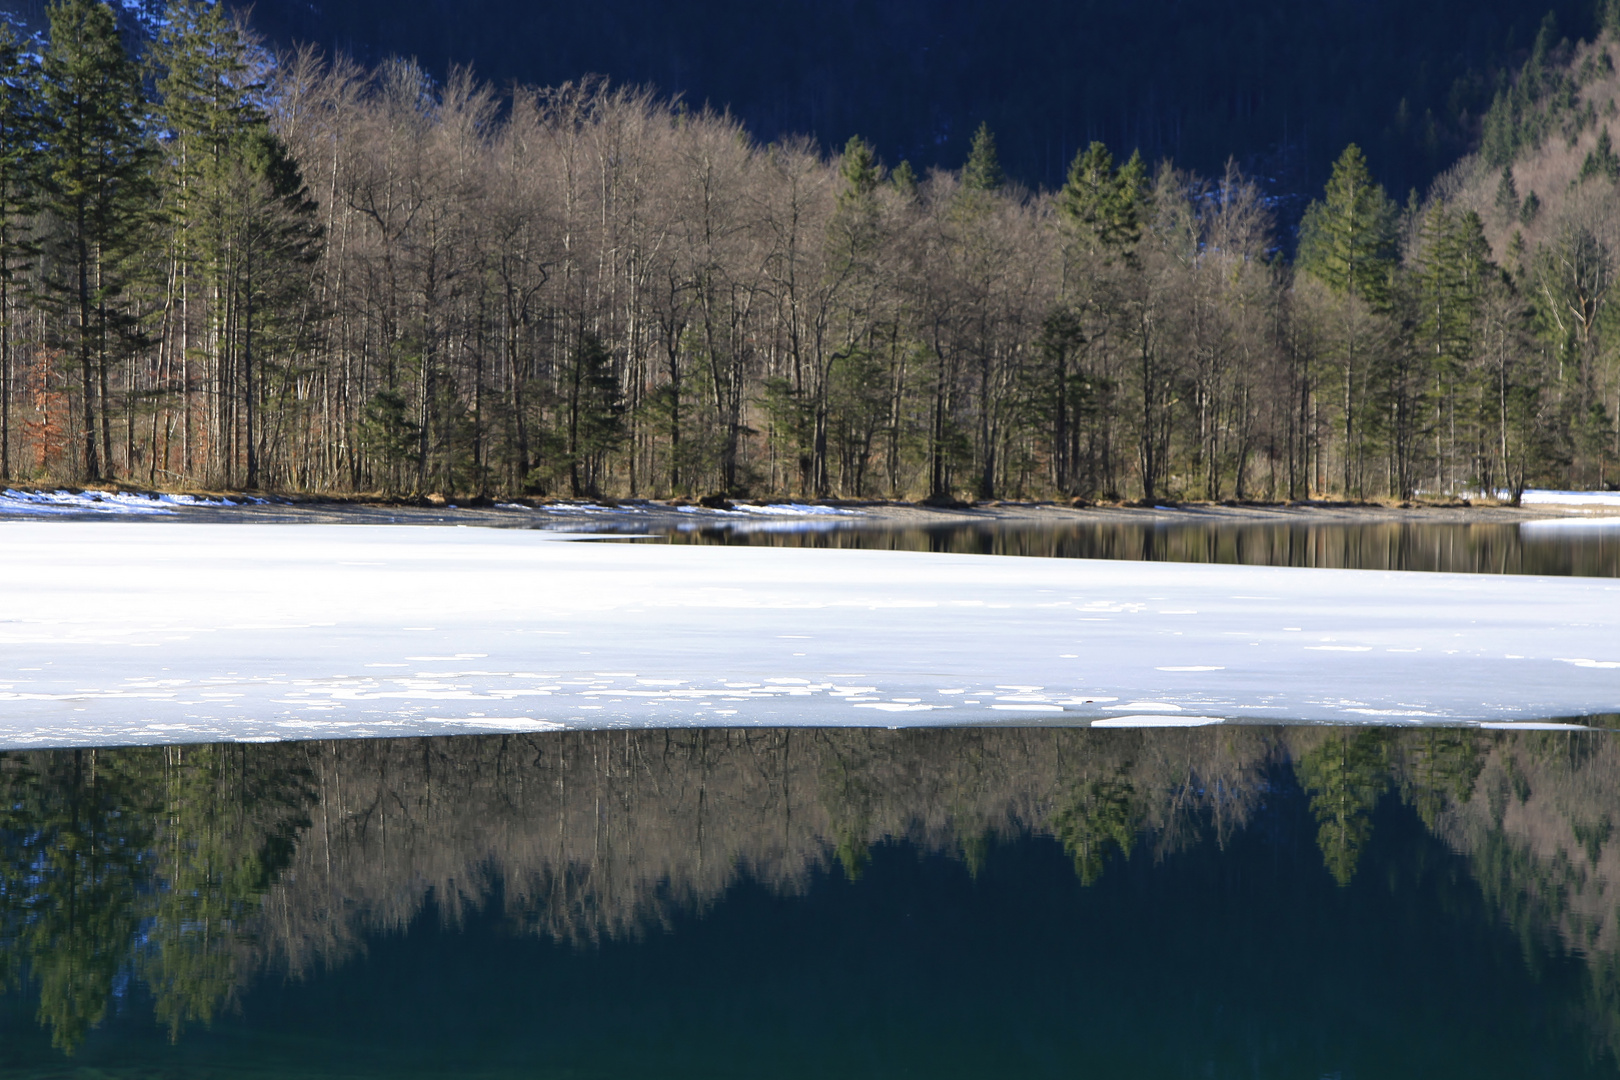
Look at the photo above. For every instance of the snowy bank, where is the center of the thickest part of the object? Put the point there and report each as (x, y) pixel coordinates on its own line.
(115, 633)
(62, 501)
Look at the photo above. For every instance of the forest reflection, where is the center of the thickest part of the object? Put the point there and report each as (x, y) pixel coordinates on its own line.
(190, 870)
(1488, 548)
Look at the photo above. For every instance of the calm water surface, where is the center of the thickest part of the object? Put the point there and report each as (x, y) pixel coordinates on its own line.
(1297, 903)
(1564, 548)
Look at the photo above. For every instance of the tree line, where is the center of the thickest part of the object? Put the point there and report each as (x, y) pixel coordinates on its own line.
(224, 269)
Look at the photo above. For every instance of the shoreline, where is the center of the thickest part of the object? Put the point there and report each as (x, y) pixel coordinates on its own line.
(659, 515)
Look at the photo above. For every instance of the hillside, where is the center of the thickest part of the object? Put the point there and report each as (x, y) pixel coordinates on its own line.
(1281, 87)
(1548, 161)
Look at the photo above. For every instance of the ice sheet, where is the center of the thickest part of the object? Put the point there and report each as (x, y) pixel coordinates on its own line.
(122, 632)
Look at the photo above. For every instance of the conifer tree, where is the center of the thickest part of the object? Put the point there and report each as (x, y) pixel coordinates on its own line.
(1102, 204)
(271, 235)
(211, 117)
(96, 185)
(1601, 160)
(859, 168)
(904, 179)
(982, 172)
(1347, 239)
(19, 119)
(1507, 196)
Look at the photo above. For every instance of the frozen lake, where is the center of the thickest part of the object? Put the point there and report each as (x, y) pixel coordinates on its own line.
(117, 632)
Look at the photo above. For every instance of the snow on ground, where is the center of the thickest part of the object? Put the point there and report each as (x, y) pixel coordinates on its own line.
(34, 503)
(742, 517)
(111, 632)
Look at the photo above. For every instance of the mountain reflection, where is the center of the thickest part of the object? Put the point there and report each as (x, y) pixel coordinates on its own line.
(190, 871)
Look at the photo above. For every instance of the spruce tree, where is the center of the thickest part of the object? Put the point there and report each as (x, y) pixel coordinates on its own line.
(1102, 204)
(1347, 239)
(19, 123)
(96, 187)
(904, 179)
(1601, 160)
(982, 173)
(859, 168)
(210, 115)
(1507, 196)
(271, 235)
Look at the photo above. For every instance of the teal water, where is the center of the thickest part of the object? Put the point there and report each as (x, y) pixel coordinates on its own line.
(1256, 903)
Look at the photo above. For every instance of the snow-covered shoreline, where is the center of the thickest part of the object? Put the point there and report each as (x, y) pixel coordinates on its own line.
(649, 515)
(112, 632)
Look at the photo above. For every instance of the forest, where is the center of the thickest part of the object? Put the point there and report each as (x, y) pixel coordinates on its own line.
(224, 268)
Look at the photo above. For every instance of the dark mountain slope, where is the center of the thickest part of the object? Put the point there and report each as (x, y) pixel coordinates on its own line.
(1282, 85)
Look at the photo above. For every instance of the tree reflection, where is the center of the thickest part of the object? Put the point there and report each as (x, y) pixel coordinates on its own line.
(1099, 819)
(1346, 774)
(136, 861)
(187, 870)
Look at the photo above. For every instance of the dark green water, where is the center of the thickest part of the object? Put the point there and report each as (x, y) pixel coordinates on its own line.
(1561, 548)
(1256, 903)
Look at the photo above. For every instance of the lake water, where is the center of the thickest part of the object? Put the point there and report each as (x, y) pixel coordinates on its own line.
(1568, 547)
(790, 903)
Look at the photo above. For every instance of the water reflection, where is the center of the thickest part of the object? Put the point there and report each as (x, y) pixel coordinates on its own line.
(1212, 892)
(1556, 548)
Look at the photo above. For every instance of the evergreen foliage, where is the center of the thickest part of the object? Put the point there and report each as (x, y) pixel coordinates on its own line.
(982, 173)
(1601, 161)
(1104, 204)
(1347, 239)
(96, 184)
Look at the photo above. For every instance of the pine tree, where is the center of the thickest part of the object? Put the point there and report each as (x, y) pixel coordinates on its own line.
(859, 168)
(904, 179)
(19, 131)
(982, 173)
(595, 412)
(1347, 239)
(1601, 160)
(271, 236)
(1507, 196)
(211, 116)
(1531, 208)
(96, 186)
(1101, 204)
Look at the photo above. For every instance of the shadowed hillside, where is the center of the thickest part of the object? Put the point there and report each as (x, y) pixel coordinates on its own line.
(1282, 87)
